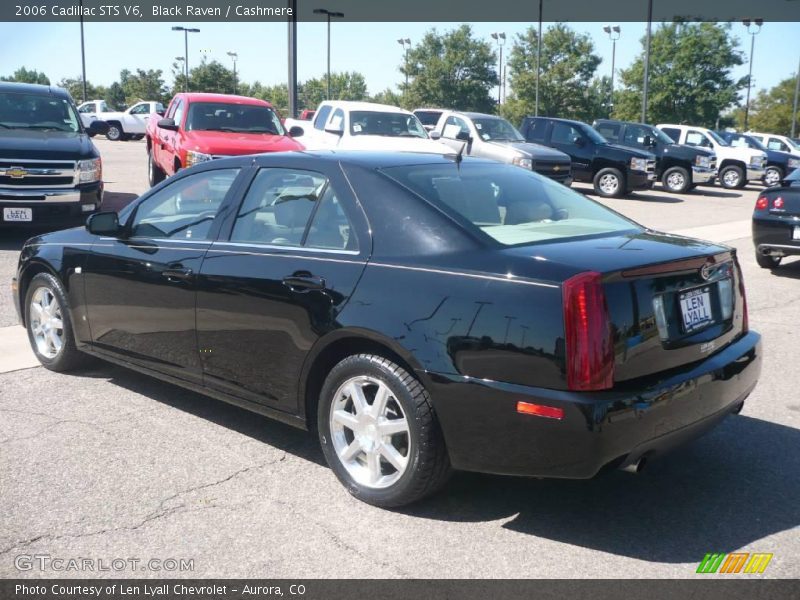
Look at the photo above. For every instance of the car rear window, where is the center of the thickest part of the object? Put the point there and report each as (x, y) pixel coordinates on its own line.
(428, 117)
(511, 205)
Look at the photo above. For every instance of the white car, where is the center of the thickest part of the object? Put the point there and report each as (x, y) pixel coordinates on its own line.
(781, 143)
(90, 109)
(737, 164)
(349, 125)
(131, 123)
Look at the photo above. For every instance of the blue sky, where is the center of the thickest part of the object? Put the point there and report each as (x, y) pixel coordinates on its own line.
(370, 48)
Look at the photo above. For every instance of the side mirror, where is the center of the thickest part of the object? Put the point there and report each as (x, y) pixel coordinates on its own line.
(167, 124)
(97, 127)
(336, 129)
(464, 136)
(103, 223)
(160, 113)
(296, 131)
(649, 141)
(579, 142)
(435, 135)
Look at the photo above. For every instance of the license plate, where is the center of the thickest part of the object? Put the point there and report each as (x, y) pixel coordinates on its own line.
(696, 309)
(796, 233)
(17, 214)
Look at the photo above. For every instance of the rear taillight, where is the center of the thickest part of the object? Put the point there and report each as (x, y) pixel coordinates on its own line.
(777, 203)
(589, 343)
(743, 294)
(762, 203)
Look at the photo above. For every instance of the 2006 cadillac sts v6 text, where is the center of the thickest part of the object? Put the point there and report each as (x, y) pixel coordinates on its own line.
(421, 312)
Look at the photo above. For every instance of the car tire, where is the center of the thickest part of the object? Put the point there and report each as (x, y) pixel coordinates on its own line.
(115, 132)
(773, 176)
(731, 177)
(49, 327)
(767, 261)
(676, 180)
(383, 469)
(609, 183)
(154, 174)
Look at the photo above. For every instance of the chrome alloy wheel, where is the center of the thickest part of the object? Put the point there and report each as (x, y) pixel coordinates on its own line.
(370, 432)
(731, 178)
(46, 323)
(772, 177)
(609, 184)
(676, 180)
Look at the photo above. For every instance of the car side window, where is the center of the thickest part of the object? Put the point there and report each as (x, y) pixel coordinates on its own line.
(330, 228)
(776, 144)
(609, 131)
(142, 109)
(537, 130)
(564, 133)
(171, 109)
(453, 126)
(696, 138)
(89, 108)
(184, 209)
(278, 207)
(675, 134)
(322, 117)
(634, 135)
(337, 119)
(178, 115)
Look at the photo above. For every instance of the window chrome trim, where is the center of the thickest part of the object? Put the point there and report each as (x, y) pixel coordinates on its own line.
(507, 279)
(293, 248)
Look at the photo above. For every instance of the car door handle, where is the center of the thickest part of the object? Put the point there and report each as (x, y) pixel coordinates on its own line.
(177, 273)
(304, 281)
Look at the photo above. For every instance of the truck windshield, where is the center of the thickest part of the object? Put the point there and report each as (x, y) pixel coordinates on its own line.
(513, 206)
(661, 136)
(494, 129)
(591, 133)
(239, 118)
(37, 111)
(389, 124)
(718, 139)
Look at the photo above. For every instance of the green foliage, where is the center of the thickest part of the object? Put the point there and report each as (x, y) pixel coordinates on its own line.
(74, 85)
(771, 110)
(567, 87)
(344, 86)
(452, 70)
(690, 79)
(138, 86)
(389, 96)
(23, 75)
(277, 95)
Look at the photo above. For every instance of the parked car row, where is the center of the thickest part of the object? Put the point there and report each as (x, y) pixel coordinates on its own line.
(122, 125)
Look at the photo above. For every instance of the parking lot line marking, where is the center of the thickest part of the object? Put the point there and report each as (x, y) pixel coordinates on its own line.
(15, 351)
(721, 232)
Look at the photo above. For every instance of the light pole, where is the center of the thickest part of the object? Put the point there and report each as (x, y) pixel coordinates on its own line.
(646, 81)
(613, 34)
(180, 59)
(757, 23)
(330, 15)
(796, 94)
(83, 55)
(538, 60)
(234, 56)
(406, 44)
(186, 31)
(500, 38)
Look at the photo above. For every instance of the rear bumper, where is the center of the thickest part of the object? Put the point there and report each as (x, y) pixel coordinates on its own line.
(484, 432)
(52, 207)
(703, 175)
(772, 234)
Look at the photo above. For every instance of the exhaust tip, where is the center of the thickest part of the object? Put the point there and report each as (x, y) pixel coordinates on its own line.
(635, 467)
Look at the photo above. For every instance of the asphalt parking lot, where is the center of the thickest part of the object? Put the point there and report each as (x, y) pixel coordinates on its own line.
(109, 464)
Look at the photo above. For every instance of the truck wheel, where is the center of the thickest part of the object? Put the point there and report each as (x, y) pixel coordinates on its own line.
(154, 174)
(767, 261)
(773, 176)
(609, 183)
(115, 133)
(379, 433)
(676, 180)
(732, 177)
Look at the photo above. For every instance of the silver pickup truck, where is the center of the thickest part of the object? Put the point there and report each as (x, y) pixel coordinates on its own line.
(490, 136)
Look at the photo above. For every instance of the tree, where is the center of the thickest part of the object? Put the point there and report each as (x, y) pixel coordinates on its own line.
(771, 110)
(566, 85)
(142, 85)
(451, 70)
(277, 95)
(211, 77)
(23, 75)
(74, 85)
(388, 96)
(690, 79)
(344, 86)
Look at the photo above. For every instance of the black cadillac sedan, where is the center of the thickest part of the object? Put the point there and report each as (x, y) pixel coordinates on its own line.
(776, 222)
(422, 313)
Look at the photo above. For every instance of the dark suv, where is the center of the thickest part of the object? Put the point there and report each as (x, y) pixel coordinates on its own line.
(50, 171)
(679, 168)
(613, 170)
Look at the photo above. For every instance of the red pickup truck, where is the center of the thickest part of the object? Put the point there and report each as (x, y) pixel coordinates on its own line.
(201, 127)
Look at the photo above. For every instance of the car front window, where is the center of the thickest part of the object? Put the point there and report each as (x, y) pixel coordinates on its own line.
(37, 111)
(510, 205)
(238, 118)
(388, 124)
(497, 129)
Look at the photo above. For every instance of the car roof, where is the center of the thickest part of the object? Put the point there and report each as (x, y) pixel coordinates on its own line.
(230, 98)
(373, 106)
(570, 121)
(369, 159)
(33, 88)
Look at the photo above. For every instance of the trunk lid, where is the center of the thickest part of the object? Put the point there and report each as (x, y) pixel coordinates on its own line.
(671, 300)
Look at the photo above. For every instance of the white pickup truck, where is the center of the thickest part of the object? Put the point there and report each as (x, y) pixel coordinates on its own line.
(132, 122)
(89, 111)
(737, 164)
(346, 125)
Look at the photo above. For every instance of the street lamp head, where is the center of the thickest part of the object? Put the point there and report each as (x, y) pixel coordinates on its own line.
(408, 41)
(330, 14)
(178, 28)
(616, 28)
(180, 58)
(233, 55)
(607, 29)
(193, 30)
(502, 36)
